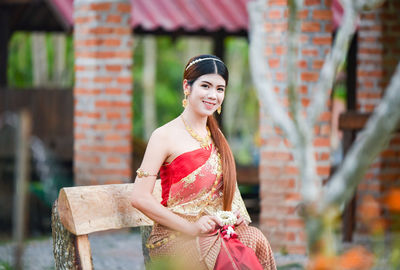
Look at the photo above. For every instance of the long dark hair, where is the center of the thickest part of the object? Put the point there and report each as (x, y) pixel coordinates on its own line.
(210, 64)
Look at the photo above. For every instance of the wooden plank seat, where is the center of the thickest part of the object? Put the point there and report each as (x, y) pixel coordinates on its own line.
(82, 210)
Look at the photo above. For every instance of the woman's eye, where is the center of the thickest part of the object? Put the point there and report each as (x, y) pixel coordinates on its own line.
(221, 89)
(205, 85)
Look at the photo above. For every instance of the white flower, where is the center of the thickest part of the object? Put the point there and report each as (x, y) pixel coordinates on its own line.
(230, 231)
(227, 217)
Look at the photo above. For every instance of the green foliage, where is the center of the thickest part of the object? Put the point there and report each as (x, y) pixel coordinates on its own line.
(69, 61)
(394, 260)
(46, 190)
(168, 85)
(50, 54)
(339, 91)
(292, 266)
(20, 62)
(162, 264)
(137, 99)
(5, 266)
(19, 70)
(169, 80)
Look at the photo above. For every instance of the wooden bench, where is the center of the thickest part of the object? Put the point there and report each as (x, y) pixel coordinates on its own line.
(82, 210)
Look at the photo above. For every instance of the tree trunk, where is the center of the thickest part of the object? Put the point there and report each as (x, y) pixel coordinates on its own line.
(149, 79)
(64, 244)
(145, 231)
(322, 210)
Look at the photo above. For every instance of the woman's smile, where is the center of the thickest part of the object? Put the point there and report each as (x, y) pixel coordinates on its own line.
(209, 105)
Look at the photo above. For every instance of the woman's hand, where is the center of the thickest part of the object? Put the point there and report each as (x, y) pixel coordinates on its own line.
(240, 219)
(206, 224)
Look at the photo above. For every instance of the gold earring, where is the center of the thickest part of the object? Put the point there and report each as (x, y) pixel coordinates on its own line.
(184, 101)
(219, 109)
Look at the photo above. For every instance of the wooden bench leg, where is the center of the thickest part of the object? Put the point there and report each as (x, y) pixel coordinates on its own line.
(84, 252)
(70, 252)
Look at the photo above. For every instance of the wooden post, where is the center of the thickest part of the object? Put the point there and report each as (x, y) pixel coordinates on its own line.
(219, 50)
(149, 81)
(348, 217)
(351, 74)
(4, 38)
(39, 60)
(349, 214)
(59, 60)
(21, 186)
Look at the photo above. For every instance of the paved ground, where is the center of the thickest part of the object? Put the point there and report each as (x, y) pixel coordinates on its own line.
(116, 251)
(109, 251)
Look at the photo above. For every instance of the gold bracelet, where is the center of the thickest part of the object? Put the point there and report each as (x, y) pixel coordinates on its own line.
(141, 173)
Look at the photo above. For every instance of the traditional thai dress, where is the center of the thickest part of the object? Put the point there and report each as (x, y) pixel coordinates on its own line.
(192, 187)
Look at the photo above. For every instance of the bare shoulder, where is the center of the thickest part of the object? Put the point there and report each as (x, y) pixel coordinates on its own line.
(165, 135)
(164, 132)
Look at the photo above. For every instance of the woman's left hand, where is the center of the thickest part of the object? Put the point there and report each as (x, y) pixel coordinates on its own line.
(240, 219)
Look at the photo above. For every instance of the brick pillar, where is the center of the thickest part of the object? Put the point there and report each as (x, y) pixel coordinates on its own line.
(103, 92)
(279, 176)
(378, 55)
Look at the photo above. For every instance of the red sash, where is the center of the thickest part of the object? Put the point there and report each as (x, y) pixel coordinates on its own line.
(235, 255)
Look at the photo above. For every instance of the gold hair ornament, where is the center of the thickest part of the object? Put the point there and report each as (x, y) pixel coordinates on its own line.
(202, 59)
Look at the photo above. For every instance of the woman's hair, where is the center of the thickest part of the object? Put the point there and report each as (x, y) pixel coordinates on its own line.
(210, 64)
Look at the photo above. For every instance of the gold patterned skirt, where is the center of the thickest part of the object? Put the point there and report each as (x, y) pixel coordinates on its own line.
(198, 253)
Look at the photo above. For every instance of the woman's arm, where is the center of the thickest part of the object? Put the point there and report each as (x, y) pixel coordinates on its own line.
(156, 153)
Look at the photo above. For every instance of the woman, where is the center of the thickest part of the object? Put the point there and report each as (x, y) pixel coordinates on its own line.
(198, 179)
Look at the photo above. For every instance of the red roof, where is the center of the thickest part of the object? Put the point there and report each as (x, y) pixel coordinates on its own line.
(171, 15)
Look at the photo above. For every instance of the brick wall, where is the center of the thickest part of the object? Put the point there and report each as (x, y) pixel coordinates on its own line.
(103, 92)
(279, 181)
(378, 55)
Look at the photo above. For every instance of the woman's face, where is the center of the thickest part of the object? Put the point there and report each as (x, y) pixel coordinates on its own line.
(206, 94)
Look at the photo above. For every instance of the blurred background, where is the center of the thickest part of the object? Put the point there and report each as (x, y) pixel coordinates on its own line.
(40, 77)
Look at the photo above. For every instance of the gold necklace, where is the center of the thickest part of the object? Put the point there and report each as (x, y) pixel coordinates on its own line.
(204, 142)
